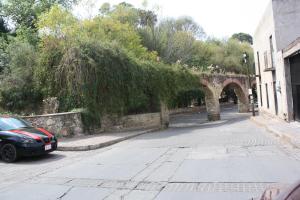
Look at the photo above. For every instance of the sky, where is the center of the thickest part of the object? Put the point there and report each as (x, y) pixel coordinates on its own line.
(219, 18)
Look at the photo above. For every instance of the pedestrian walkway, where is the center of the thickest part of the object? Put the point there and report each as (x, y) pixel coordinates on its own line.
(86, 143)
(288, 132)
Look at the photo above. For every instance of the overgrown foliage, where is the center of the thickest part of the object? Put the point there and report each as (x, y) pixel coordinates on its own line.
(17, 89)
(113, 75)
(124, 60)
(104, 78)
(187, 98)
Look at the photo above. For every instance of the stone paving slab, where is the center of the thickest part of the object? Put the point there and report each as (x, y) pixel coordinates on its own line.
(110, 172)
(287, 132)
(158, 186)
(207, 196)
(37, 192)
(86, 193)
(218, 187)
(86, 143)
(238, 170)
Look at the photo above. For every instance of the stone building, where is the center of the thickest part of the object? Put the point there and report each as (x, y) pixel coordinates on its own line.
(277, 60)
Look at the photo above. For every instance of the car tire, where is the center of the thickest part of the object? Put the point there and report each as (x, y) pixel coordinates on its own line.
(9, 153)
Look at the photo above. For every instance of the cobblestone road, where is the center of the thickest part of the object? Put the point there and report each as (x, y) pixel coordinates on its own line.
(231, 159)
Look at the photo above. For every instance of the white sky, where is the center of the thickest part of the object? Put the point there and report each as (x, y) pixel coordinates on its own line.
(219, 18)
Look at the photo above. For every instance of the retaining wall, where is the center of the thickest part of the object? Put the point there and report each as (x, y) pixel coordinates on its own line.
(61, 124)
(131, 122)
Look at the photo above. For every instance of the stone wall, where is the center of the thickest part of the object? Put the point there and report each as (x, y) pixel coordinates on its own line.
(188, 110)
(70, 124)
(61, 124)
(131, 122)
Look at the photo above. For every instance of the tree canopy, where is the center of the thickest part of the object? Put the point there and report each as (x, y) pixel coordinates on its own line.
(243, 37)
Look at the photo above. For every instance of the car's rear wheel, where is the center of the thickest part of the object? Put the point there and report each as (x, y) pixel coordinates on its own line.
(8, 153)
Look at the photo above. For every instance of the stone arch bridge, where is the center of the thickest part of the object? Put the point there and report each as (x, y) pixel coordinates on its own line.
(213, 86)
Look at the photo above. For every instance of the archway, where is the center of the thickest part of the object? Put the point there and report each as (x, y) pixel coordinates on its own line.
(240, 92)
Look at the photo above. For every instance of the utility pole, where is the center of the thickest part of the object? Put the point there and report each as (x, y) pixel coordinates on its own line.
(245, 56)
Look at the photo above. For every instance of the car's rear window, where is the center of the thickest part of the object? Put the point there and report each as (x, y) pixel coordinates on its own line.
(10, 123)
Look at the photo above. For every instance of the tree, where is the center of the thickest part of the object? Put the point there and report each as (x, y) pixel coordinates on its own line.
(24, 14)
(17, 91)
(105, 9)
(179, 48)
(187, 24)
(173, 39)
(124, 13)
(147, 18)
(3, 27)
(243, 37)
(59, 23)
(227, 55)
(127, 13)
(26, 11)
(3, 54)
(201, 55)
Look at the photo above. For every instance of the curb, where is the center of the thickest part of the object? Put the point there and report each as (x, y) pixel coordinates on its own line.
(104, 144)
(283, 137)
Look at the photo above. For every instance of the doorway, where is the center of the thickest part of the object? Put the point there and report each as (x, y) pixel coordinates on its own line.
(295, 80)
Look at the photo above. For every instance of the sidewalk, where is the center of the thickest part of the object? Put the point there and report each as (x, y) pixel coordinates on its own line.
(92, 142)
(288, 132)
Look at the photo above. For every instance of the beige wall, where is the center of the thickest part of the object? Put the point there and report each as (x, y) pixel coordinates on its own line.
(261, 45)
(287, 23)
(281, 20)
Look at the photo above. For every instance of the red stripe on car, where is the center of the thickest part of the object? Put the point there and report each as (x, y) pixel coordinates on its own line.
(46, 132)
(27, 134)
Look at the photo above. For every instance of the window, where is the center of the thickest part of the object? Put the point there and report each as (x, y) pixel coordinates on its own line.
(275, 97)
(272, 51)
(258, 63)
(9, 123)
(266, 60)
(267, 95)
(260, 92)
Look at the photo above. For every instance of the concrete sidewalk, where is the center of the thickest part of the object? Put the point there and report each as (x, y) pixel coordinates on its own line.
(86, 143)
(288, 132)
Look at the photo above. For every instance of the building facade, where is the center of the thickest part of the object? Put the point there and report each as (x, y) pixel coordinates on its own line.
(277, 60)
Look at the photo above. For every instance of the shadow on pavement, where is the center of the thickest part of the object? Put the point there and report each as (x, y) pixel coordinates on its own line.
(42, 159)
(191, 122)
(208, 124)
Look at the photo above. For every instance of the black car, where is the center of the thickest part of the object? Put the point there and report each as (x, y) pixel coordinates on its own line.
(19, 138)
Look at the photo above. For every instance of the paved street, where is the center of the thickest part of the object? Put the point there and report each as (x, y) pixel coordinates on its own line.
(193, 159)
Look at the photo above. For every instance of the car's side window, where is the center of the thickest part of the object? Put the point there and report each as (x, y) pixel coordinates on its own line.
(295, 195)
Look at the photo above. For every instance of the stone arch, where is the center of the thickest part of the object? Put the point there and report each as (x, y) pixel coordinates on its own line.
(211, 101)
(240, 91)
